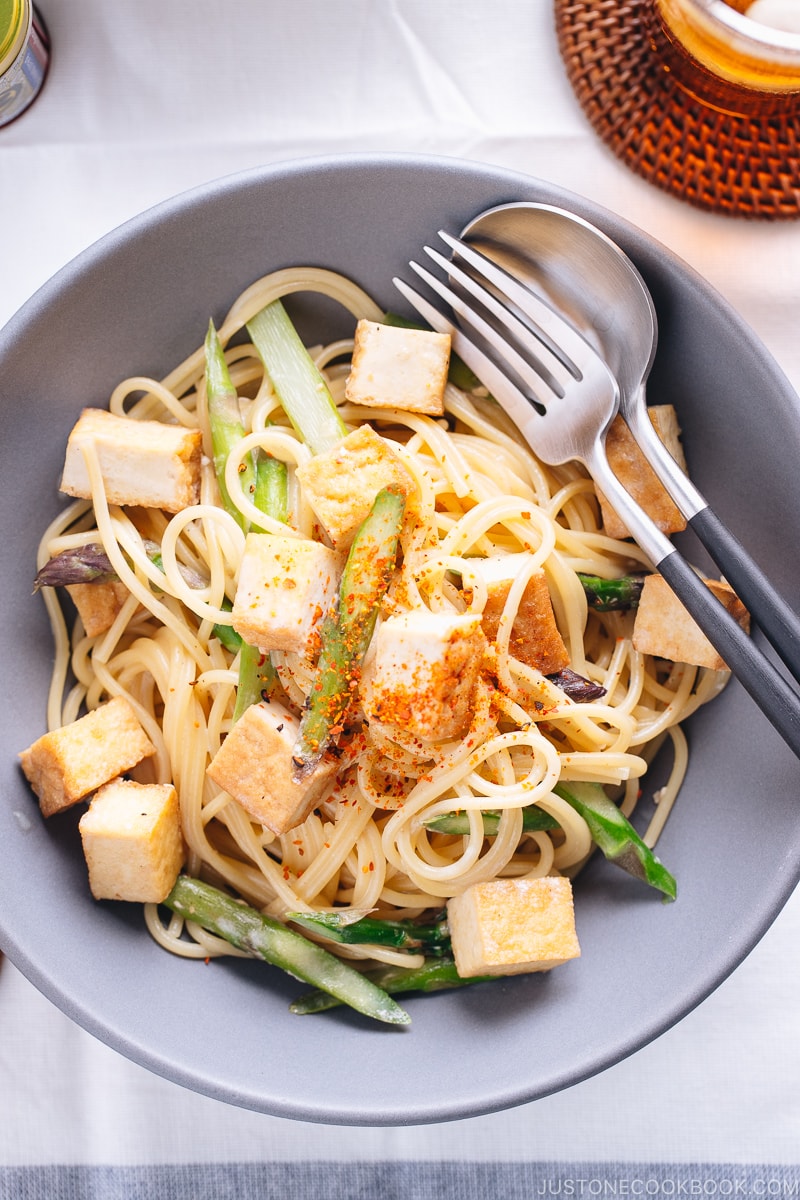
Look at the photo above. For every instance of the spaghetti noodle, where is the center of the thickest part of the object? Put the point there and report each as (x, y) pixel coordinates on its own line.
(369, 847)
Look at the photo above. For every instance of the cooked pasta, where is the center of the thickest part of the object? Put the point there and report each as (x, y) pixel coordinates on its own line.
(368, 846)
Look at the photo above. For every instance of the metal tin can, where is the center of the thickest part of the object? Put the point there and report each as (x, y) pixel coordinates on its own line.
(24, 57)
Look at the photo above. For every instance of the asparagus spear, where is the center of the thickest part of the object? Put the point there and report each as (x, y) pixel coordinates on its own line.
(534, 819)
(263, 479)
(401, 935)
(433, 976)
(81, 564)
(250, 930)
(91, 564)
(266, 482)
(230, 639)
(271, 491)
(225, 422)
(346, 633)
(257, 676)
(612, 595)
(258, 679)
(613, 833)
(303, 392)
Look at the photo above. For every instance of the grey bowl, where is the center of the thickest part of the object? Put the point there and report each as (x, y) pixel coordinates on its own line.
(136, 303)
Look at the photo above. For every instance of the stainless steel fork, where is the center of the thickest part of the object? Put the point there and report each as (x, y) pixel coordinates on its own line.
(563, 397)
(600, 286)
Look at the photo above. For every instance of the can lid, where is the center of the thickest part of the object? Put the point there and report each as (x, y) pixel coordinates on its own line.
(13, 30)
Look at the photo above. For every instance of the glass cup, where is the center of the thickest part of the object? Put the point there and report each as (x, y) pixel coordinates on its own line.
(726, 59)
(696, 96)
(24, 57)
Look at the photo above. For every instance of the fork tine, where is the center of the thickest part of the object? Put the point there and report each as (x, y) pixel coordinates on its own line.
(557, 333)
(514, 365)
(511, 399)
(556, 372)
(573, 427)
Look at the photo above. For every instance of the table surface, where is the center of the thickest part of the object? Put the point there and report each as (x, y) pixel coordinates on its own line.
(144, 101)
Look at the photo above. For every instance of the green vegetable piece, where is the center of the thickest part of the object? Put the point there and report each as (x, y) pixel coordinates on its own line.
(612, 595)
(260, 935)
(258, 679)
(230, 639)
(534, 819)
(265, 481)
(345, 634)
(614, 835)
(271, 491)
(401, 935)
(433, 976)
(225, 423)
(302, 390)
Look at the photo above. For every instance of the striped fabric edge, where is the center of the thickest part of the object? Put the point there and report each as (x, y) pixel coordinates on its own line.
(388, 1180)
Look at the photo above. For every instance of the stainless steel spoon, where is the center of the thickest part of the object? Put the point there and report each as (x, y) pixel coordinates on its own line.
(592, 282)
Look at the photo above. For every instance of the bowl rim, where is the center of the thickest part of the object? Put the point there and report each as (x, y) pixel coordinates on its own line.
(614, 1049)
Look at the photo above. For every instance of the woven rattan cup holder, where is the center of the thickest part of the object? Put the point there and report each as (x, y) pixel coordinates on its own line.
(739, 165)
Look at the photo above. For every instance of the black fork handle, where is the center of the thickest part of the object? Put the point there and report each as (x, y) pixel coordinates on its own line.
(758, 676)
(778, 622)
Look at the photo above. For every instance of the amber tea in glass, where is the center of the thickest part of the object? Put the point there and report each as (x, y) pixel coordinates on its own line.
(726, 59)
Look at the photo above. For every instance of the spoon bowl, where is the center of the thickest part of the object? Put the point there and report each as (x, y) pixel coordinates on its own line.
(588, 279)
(583, 274)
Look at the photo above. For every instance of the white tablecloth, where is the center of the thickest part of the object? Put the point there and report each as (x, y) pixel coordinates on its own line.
(147, 99)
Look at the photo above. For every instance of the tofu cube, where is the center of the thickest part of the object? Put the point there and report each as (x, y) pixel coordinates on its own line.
(399, 368)
(98, 604)
(145, 463)
(422, 674)
(341, 485)
(664, 628)
(513, 926)
(285, 587)
(638, 477)
(132, 841)
(535, 639)
(254, 766)
(65, 765)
